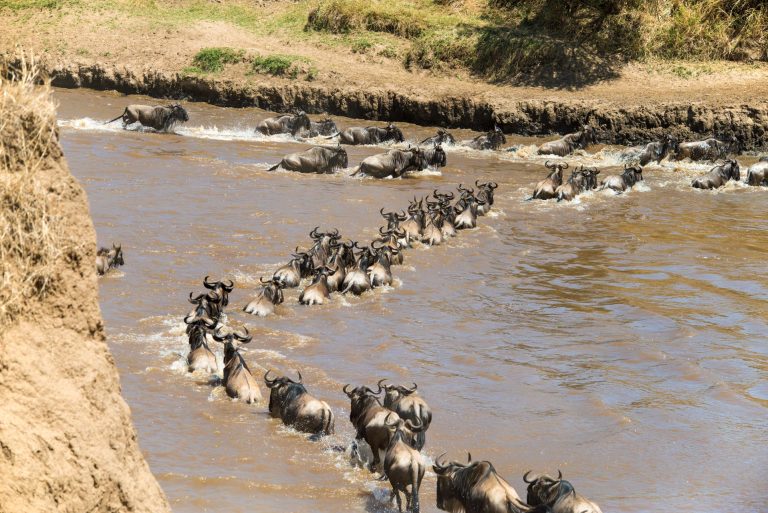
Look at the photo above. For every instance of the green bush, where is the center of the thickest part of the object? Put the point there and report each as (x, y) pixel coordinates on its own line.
(345, 16)
(283, 65)
(211, 60)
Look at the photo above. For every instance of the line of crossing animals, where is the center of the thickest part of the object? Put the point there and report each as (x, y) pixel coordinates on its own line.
(397, 162)
(394, 425)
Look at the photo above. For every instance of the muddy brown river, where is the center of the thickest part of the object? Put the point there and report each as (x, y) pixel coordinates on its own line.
(621, 339)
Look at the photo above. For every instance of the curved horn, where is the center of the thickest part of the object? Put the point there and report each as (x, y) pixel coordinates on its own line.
(415, 386)
(380, 382)
(494, 185)
(386, 420)
(268, 381)
(312, 234)
(525, 477)
(548, 166)
(220, 338)
(197, 299)
(261, 279)
(344, 389)
(244, 337)
(301, 381)
(469, 457)
(417, 427)
(209, 285)
(229, 287)
(559, 475)
(438, 466)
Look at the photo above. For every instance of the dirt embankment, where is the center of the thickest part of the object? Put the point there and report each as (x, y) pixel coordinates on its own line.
(618, 122)
(67, 442)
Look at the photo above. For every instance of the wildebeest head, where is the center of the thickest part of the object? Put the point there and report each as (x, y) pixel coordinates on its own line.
(302, 261)
(670, 144)
(300, 120)
(272, 290)
(485, 191)
(496, 137)
(546, 490)
(394, 133)
(174, 113)
(418, 159)
(394, 392)
(222, 288)
(393, 218)
(588, 135)
(402, 429)
(590, 177)
(339, 158)
(556, 170)
(232, 341)
(115, 255)
(731, 168)
(209, 304)
(325, 126)
(632, 174)
(449, 492)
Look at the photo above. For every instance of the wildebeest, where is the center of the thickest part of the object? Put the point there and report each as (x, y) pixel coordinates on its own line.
(435, 156)
(285, 124)
(392, 163)
(200, 356)
(570, 142)
(290, 402)
(557, 494)
(392, 238)
(238, 380)
(403, 465)
(432, 234)
(582, 179)
(546, 188)
(222, 288)
(380, 271)
(368, 417)
(317, 292)
(320, 159)
(485, 195)
(655, 151)
(409, 405)
(709, 149)
(442, 137)
(624, 181)
(323, 127)
(757, 173)
(270, 296)
(357, 279)
(718, 176)
(491, 140)
(290, 275)
(161, 118)
(208, 304)
(107, 258)
(466, 209)
(342, 259)
(476, 487)
(370, 135)
(414, 225)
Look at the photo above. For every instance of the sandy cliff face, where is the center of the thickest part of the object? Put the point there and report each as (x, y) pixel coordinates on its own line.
(67, 443)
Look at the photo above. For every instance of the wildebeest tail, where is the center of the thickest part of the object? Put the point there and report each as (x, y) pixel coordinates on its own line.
(118, 117)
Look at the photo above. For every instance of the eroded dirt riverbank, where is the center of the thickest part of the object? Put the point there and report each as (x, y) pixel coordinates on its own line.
(618, 124)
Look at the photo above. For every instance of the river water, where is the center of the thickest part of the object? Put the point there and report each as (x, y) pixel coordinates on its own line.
(620, 339)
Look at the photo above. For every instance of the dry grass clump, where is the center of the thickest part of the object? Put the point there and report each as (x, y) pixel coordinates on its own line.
(30, 241)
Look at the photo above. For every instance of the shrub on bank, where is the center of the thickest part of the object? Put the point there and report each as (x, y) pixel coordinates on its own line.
(211, 60)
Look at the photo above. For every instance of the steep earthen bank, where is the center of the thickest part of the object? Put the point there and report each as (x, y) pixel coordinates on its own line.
(67, 442)
(627, 123)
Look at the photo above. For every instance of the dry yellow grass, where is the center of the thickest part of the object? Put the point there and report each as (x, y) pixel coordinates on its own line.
(30, 243)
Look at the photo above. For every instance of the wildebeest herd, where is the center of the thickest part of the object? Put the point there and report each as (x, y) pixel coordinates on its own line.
(390, 419)
(393, 420)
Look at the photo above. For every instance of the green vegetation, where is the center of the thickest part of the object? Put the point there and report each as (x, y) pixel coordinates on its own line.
(280, 65)
(211, 60)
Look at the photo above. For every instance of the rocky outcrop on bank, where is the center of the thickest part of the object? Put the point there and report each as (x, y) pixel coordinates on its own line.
(67, 442)
(618, 124)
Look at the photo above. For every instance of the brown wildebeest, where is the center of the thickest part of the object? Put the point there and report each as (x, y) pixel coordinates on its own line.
(320, 159)
(369, 135)
(491, 140)
(368, 416)
(403, 465)
(270, 296)
(624, 181)
(238, 380)
(290, 275)
(718, 176)
(757, 174)
(568, 143)
(285, 124)
(317, 292)
(656, 151)
(161, 118)
(476, 487)
(392, 163)
(442, 137)
(107, 259)
(200, 356)
(546, 188)
(290, 402)
(708, 149)
(409, 405)
(557, 494)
